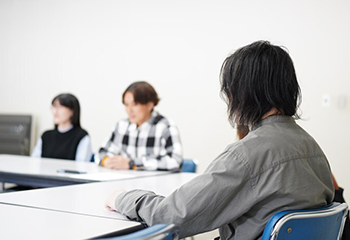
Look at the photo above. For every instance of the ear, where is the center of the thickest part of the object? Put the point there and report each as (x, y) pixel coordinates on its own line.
(150, 106)
(71, 114)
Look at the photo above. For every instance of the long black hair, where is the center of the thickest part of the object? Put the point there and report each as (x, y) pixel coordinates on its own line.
(70, 101)
(257, 78)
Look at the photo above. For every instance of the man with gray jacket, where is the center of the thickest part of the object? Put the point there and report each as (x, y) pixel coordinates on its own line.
(277, 166)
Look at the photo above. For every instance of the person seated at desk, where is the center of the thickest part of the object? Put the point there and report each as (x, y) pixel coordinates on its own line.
(145, 139)
(277, 166)
(242, 131)
(68, 140)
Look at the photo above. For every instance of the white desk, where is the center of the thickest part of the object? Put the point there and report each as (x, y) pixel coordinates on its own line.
(42, 172)
(89, 199)
(18, 222)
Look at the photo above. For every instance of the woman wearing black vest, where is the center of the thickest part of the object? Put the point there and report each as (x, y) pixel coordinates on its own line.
(68, 140)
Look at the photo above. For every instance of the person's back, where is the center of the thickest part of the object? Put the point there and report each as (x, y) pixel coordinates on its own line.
(285, 169)
(277, 166)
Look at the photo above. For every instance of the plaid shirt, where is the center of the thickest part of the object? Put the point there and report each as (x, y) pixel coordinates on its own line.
(154, 145)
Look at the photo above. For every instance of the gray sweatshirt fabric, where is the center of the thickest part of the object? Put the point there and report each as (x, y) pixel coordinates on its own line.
(276, 167)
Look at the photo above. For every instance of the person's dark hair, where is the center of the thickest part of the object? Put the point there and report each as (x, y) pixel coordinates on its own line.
(70, 101)
(242, 131)
(257, 78)
(143, 93)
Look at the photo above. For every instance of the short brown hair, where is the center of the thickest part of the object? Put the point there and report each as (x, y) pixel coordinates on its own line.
(143, 93)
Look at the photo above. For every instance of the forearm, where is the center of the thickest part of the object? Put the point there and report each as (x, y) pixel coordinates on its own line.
(102, 153)
(128, 203)
(149, 208)
(196, 205)
(162, 163)
(108, 147)
(193, 207)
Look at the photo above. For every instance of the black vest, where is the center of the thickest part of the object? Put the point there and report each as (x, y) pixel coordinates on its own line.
(62, 145)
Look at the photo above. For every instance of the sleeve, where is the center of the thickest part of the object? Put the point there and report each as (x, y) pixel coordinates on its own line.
(170, 157)
(108, 147)
(38, 148)
(84, 150)
(211, 200)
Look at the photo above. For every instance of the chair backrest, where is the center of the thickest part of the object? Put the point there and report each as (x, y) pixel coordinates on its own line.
(156, 232)
(323, 223)
(15, 134)
(189, 165)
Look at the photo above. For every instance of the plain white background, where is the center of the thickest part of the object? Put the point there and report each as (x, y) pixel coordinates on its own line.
(96, 48)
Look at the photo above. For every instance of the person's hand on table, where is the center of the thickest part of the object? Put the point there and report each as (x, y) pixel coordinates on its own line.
(117, 162)
(110, 201)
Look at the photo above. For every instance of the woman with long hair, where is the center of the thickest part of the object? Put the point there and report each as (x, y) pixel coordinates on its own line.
(67, 140)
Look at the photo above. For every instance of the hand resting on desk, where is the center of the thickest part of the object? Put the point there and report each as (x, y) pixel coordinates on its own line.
(110, 202)
(117, 162)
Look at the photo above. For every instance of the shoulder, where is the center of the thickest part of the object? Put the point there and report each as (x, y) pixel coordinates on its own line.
(85, 139)
(80, 131)
(161, 120)
(232, 160)
(247, 152)
(237, 150)
(83, 131)
(122, 125)
(49, 133)
(165, 126)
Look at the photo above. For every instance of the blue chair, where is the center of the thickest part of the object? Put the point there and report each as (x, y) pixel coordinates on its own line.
(189, 165)
(324, 223)
(156, 232)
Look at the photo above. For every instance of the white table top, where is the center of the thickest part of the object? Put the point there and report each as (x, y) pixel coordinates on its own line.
(29, 223)
(90, 198)
(46, 168)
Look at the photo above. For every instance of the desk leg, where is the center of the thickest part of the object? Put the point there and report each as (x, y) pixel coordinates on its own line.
(2, 186)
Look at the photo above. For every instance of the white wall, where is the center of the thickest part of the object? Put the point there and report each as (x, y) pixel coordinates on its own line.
(96, 48)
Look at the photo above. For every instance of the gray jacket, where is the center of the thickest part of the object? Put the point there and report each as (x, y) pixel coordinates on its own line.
(276, 167)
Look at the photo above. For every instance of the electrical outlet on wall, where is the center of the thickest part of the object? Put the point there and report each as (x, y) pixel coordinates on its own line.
(326, 100)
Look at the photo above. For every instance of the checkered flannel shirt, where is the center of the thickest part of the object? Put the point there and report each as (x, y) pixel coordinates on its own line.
(154, 145)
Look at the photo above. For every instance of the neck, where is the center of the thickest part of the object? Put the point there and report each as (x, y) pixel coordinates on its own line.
(144, 120)
(64, 126)
(270, 113)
